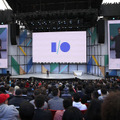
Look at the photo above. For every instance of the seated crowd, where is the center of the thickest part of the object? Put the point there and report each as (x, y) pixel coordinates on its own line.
(59, 100)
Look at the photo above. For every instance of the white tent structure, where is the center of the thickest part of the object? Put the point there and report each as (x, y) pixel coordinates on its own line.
(111, 1)
(4, 5)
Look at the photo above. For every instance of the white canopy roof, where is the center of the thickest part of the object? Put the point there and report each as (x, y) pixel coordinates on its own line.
(4, 5)
(111, 1)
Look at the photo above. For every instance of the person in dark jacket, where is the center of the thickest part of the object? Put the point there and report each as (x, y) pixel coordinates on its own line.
(41, 114)
(17, 99)
(26, 111)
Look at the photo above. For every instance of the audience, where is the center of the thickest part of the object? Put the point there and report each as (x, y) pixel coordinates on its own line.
(51, 94)
(7, 112)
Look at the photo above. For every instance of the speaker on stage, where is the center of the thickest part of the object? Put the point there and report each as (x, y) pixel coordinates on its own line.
(7, 72)
(14, 31)
(101, 31)
(17, 30)
(107, 74)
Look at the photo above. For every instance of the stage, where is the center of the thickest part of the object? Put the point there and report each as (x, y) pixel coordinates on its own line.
(57, 76)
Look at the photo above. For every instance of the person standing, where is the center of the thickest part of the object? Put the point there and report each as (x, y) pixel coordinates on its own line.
(117, 43)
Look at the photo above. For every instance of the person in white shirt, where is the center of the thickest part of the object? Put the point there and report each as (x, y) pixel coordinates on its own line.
(103, 94)
(77, 103)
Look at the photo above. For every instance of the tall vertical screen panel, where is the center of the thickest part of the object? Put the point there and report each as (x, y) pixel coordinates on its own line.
(3, 46)
(114, 44)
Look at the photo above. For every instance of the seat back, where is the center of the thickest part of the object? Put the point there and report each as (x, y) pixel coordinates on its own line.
(83, 111)
(53, 113)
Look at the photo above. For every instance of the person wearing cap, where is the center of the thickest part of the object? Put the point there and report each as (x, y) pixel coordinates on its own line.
(7, 112)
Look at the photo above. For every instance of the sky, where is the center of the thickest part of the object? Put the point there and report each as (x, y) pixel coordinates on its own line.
(3, 7)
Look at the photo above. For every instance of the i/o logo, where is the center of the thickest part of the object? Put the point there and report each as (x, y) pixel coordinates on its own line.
(64, 47)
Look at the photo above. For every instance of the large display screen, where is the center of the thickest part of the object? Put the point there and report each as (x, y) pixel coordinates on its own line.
(59, 47)
(3, 46)
(114, 44)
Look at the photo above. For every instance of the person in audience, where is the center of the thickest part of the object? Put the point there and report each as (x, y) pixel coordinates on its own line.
(43, 92)
(71, 90)
(77, 103)
(94, 95)
(66, 94)
(56, 103)
(11, 92)
(111, 106)
(26, 111)
(103, 94)
(12, 83)
(50, 88)
(36, 93)
(17, 99)
(94, 110)
(16, 87)
(72, 113)
(22, 84)
(7, 112)
(79, 90)
(84, 99)
(25, 96)
(41, 114)
(27, 84)
(2, 87)
(59, 113)
(88, 90)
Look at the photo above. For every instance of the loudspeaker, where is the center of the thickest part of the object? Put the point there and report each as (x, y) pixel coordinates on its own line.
(101, 31)
(17, 30)
(14, 31)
